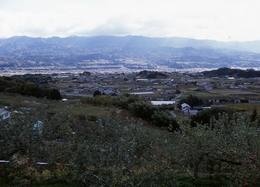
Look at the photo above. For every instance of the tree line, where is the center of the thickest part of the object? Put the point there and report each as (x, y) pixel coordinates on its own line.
(13, 85)
(249, 73)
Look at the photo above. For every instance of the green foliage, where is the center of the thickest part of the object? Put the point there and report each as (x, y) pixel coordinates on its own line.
(108, 152)
(55, 95)
(35, 78)
(177, 91)
(101, 100)
(30, 88)
(96, 93)
(151, 74)
(203, 117)
(185, 181)
(193, 101)
(117, 155)
(161, 118)
(220, 149)
(226, 146)
(142, 109)
(254, 115)
(249, 73)
(8, 84)
(123, 101)
(139, 108)
(19, 144)
(13, 85)
(111, 152)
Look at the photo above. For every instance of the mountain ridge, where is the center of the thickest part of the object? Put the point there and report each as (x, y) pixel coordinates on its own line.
(177, 42)
(125, 52)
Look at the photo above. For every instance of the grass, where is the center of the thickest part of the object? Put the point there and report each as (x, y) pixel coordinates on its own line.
(244, 107)
(72, 106)
(54, 185)
(16, 100)
(77, 109)
(181, 180)
(185, 181)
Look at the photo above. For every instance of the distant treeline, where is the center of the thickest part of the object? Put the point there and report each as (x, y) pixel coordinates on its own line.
(36, 78)
(249, 73)
(13, 85)
(151, 74)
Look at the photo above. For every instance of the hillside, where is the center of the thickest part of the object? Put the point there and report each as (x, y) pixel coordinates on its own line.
(122, 53)
(221, 72)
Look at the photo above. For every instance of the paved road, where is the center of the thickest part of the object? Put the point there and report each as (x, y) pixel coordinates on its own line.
(76, 95)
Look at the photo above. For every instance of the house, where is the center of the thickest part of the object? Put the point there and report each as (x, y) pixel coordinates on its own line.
(4, 114)
(185, 108)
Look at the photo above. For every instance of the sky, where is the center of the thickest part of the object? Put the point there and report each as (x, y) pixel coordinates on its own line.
(221, 20)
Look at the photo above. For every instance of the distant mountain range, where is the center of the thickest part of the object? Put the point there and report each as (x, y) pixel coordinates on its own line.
(122, 53)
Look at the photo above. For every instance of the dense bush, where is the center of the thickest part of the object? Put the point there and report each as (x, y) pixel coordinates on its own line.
(96, 93)
(123, 101)
(151, 74)
(249, 73)
(204, 117)
(138, 108)
(111, 152)
(161, 118)
(142, 109)
(13, 85)
(108, 152)
(193, 100)
(227, 147)
(98, 100)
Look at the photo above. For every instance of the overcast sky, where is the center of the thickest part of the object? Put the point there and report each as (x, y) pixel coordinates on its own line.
(223, 20)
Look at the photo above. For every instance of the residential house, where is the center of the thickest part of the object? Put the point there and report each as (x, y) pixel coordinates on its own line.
(205, 86)
(185, 108)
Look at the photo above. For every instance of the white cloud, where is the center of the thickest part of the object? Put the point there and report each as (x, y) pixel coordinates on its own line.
(205, 19)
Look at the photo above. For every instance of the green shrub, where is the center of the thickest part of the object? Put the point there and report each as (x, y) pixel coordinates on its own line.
(142, 109)
(163, 119)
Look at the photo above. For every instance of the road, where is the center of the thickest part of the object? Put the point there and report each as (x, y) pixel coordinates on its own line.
(76, 95)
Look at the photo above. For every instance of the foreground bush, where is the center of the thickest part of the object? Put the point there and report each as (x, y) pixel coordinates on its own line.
(110, 152)
(226, 147)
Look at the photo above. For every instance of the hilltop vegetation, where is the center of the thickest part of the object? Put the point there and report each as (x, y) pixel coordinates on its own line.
(14, 85)
(221, 72)
(151, 74)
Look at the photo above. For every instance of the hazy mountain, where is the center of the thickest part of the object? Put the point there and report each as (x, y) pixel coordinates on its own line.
(132, 52)
(129, 42)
